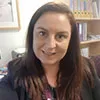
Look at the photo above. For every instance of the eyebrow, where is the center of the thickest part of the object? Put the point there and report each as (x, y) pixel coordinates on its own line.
(42, 28)
(64, 32)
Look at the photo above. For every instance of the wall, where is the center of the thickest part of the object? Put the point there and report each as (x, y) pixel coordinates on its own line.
(10, 40)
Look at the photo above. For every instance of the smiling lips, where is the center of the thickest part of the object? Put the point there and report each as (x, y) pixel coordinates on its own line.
(48, 53)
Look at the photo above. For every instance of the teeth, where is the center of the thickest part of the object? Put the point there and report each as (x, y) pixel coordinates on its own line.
(49, 53)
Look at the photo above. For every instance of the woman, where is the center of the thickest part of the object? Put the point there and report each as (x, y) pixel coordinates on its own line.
(52, 68)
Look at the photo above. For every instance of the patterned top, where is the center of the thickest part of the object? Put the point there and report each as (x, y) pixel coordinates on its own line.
(49, 93)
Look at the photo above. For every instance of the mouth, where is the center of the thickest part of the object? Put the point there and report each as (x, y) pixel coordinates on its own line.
(48, 53)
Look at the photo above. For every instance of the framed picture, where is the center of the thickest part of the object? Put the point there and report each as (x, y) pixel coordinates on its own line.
(9, 15)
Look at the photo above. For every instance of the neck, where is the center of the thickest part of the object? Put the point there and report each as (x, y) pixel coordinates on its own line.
(51, 73)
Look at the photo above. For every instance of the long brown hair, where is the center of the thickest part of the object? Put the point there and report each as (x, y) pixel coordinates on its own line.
(70, 75)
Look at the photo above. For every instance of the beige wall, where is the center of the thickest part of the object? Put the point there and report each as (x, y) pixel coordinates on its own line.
(10, 40)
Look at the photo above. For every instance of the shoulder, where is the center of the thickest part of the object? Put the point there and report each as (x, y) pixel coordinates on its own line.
(7, 90)
(93, 90)
(14, 66)
(89, 70)
(89, 66)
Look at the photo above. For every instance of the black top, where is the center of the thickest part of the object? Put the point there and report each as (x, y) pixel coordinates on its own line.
(8, 92)
(53, 92)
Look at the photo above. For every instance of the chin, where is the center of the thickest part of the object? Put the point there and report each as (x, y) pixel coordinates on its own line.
(49, 62)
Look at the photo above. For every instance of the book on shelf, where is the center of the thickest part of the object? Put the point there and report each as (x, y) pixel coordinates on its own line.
(98, 7)
(84, 35)
(95, 9)
(79, 27)
(82, 30)
(84, 8)
(81, 8)
(93, 37)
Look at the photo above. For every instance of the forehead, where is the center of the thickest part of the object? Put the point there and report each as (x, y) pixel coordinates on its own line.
(53, 19)
(57, 15)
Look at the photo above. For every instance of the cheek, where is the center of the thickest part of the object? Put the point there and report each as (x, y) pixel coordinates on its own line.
(64, 47)
(37, 44)
(62, 52)
(36, 48)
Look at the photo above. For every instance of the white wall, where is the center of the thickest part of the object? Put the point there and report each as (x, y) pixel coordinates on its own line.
(10, 40)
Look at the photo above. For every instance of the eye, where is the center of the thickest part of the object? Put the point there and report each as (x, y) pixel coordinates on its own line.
(61, 37)
(42, 33)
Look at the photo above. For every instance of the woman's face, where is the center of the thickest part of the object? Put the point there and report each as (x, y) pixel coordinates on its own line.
(51, 37)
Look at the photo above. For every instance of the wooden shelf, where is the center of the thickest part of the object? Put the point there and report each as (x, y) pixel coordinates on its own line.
(93, 28)
(89, 41)
(87, 19)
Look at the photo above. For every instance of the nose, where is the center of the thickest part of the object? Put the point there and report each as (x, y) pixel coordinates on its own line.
(51, 42)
